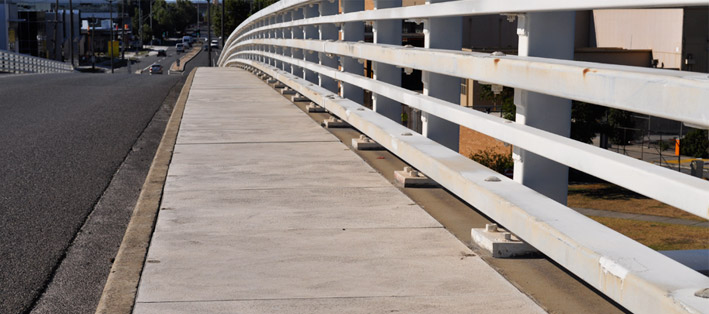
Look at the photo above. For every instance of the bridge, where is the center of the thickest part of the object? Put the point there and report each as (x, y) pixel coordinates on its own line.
(300, 240)
(257, 208)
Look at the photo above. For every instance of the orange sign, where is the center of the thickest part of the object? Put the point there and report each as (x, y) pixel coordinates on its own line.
(676, 147)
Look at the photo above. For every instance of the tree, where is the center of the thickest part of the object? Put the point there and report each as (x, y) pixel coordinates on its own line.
(506, 99)
(619, 121)
(236, 11)
(695, 144)
(587, 121)
(258, 5)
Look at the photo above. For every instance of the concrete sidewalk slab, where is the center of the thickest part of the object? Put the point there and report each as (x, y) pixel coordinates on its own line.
(263, 211)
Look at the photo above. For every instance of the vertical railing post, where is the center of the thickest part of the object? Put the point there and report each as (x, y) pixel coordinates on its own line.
(272, 35)
(264, 35)
(278, 33)
(442, 33)
(310, 32)
(352, 31)
(328, 32)
(387, 32)
(549, 35)
(287, 34)
(297, 33)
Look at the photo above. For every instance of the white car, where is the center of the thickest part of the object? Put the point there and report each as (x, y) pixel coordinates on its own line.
(180, 48)
(214, 43)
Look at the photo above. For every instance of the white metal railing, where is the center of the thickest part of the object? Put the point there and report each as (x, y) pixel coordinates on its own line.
(11, 62)
(309, 46)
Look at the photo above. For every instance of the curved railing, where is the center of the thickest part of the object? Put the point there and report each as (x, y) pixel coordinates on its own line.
(318, 48)
(11, 62)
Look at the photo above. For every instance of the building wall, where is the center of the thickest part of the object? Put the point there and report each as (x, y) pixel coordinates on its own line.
(657, 29)
(4, 27)
(639, 58)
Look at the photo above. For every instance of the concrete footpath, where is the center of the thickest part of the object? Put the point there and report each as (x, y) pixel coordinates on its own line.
(264, 211)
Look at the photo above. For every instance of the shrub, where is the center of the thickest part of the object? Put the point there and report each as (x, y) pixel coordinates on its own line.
(493, 160)
(695, 144)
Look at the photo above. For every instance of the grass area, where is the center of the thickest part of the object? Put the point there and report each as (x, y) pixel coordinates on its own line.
(606, 196)
(660, 236)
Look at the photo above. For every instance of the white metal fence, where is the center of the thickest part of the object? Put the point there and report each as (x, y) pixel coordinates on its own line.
(11, 62)
(318, 48)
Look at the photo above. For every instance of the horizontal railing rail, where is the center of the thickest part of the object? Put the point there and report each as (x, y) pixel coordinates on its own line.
(16, 63)
(317, 48)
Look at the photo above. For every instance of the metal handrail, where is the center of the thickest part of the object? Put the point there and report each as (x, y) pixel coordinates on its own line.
(16, 63)
(276, 41)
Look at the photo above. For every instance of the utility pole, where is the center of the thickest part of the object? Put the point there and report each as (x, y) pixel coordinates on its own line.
(63, 32)
(93, 54)
(123, 26)
(56, 22)
(223, 35)
(209, 32)
(140, 22)
(151, 15)
(110, 46)
(71, 32)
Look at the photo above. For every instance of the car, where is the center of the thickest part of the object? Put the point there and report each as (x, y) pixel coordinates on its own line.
(214, 43)
(156, 69)
(180, 48)
(162, 53)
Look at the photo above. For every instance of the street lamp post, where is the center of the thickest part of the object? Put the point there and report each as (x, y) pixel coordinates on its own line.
(71, 32)
(93, 52)
(123, 32)
(56, 21)
(110, 46)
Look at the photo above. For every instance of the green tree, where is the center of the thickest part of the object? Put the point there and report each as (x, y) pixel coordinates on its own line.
(587, 121)
(258, 5)
(236, 11)
(506, 99)
(185, 14)
(618, 123)
(695, 144)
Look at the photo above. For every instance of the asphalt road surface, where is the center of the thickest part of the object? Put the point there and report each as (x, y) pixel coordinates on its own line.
(63, 138)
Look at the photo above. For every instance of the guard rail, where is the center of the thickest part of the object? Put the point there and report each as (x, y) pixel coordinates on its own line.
(317, 48)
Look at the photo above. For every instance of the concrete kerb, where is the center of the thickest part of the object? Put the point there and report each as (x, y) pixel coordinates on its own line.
(122, 284)
(186, 58)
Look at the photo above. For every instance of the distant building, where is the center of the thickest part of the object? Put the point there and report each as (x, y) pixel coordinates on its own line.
(28, 26)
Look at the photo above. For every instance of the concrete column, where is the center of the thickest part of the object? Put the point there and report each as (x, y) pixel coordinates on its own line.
(387, 32)
(310, 32)
(549, 35)
(297, 33)
(352, 31)
(328, 32)
(442, 33)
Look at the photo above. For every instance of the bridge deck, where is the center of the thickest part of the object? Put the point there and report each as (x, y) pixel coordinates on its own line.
(265, 211)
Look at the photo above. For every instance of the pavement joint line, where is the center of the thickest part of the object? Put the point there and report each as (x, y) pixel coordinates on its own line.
(289, 299)
(265, 142)
(122, 284)
(275, 189)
